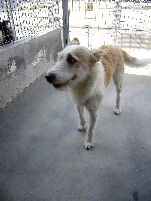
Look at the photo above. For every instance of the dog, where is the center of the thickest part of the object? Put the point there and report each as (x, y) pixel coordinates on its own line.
(6, 33)
(87, 73)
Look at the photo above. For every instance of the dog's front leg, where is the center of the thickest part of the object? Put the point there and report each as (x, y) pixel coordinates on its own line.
(90, 134)
(82, 123)
(93, 108)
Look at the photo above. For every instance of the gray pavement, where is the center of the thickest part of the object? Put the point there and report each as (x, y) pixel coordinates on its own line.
(42, 157)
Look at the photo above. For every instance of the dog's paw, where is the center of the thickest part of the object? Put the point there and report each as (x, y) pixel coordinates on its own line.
(88, 145)
(117, 111)
(82, 128)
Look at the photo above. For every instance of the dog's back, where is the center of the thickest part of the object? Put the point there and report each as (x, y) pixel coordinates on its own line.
(112, 60)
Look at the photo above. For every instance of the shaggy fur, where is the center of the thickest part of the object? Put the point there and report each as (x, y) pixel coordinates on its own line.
(87, 73)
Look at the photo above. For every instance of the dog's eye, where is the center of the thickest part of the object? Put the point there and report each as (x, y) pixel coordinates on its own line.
(71, 59)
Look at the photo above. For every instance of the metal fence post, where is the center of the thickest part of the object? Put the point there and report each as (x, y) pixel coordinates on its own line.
(65, 22)
(116, 21)
(79, 5)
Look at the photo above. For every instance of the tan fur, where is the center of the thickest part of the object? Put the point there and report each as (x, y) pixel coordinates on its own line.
(112, 60)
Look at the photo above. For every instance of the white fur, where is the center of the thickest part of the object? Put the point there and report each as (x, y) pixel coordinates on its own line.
(90, 97)
(93, 87)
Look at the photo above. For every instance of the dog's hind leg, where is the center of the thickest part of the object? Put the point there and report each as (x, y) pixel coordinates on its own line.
(82, 123)
(118, 79)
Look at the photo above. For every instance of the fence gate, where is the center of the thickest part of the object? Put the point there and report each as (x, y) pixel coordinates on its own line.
(124, 23)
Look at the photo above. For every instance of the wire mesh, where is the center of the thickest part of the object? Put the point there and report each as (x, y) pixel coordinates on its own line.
(126, 23)
(31, 18)
(134, 24)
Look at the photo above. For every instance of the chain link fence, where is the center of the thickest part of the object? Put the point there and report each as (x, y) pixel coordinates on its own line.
(25, 19)
(132, 23)
(126, 23)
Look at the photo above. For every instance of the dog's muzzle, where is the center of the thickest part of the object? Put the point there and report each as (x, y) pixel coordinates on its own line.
(52, 79)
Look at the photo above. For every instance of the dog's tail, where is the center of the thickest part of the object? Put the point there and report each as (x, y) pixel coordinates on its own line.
(135, 62)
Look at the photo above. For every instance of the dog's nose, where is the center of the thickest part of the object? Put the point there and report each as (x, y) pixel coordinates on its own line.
(51, 78)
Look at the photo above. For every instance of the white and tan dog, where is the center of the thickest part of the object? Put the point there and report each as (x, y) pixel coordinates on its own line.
(87, 73)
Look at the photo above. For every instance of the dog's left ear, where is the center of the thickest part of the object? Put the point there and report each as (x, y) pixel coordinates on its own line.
(96, 55)
(75, 41)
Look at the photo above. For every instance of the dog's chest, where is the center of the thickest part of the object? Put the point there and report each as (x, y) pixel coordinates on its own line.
(80, 96)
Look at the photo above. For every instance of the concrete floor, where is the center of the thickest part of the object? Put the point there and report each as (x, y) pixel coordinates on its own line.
(42, 157)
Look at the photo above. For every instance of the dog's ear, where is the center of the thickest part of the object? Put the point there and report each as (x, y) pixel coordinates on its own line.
(96, 55)
(75, 41)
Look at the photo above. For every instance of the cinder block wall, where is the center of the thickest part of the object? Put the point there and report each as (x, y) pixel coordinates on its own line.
(21, 64)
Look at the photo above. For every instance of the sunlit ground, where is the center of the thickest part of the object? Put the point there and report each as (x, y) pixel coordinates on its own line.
(139, 53)
(139, 71)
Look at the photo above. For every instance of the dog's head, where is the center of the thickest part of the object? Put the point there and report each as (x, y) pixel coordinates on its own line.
(73, 66)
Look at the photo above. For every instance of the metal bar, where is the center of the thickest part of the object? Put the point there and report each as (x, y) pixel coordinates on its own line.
(65, 22)
(79, 5)
(72, 5)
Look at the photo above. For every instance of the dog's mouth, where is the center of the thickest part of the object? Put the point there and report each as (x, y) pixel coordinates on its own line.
(57, 86)
(64, 84)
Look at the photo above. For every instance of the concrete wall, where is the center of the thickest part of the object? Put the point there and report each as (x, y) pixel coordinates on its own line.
(22, 64)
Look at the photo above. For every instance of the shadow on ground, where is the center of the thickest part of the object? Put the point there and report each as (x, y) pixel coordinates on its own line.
(42, 157)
